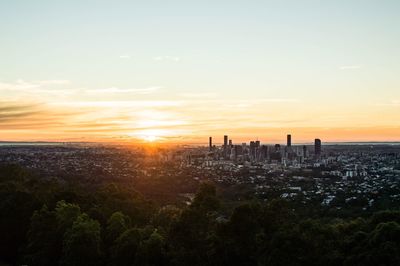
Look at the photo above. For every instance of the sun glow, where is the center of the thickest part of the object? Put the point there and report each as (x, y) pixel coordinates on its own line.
(150, 138)
(151, 135)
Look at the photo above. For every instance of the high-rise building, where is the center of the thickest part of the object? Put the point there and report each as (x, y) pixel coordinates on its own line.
(277, 147)
(276, 155)
(237, 149)
(230, 143)
(304, 151)
(225, 141)
(317, 147)
(264, 152)
(225, 148)
(210, 143)
(252, 150)
(289, 140)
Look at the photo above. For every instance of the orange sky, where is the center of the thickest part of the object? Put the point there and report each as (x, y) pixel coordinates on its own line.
(181, 71)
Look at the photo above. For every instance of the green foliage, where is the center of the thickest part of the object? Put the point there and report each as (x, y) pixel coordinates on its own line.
(44, 223)
(152, 250)
(166, 216)
(16, 208)
(116, 225)
(385, 216)
(43, 246)
(206, 199)
(66, 214)
(126, 247)
(82, 243)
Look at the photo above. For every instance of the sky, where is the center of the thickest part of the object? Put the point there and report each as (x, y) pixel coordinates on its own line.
(180, 71)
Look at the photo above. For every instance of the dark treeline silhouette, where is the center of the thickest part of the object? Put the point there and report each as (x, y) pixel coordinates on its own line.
(48, 222)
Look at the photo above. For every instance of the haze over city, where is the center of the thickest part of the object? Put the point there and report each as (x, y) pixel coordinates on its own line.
(180, 71)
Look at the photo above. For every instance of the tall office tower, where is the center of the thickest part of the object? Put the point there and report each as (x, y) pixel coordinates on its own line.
(277, 147)
(289, 140)
(230, 142)
(264, 152)
(257, 143)
(225, 148)
(276, 155)
(317, 147)
(252, 150)
(304, 151)
(210, 143)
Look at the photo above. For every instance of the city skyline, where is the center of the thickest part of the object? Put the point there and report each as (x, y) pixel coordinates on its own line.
(179, 72)
(228, 139)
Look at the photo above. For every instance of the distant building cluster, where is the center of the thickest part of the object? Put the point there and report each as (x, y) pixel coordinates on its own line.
(257, 152)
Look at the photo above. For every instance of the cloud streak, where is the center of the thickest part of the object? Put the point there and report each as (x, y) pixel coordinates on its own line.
(125, 56)
(350, 67)
(113, 90)
(167, 58)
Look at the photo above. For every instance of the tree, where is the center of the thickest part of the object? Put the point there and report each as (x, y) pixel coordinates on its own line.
(81, 245)
(116, 225)
(16, 208)
(191, 236)
(125, 248)
(43, 247)
(206, 199)
(152, 251)
(166, 216)
(66, 214)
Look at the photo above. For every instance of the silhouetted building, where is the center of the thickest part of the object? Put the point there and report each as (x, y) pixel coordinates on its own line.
(277, 147)
(289, 140)
(304, 151)
(317, 147)
(230, 143)
(264, 152)
(226, 151)
(276, 155)
(252, 150)
(225, 141)
(210, 143)
(238, 151)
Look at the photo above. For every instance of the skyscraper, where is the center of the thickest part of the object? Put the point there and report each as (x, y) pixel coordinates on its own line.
(289, 140)
(225, 148)
(317, 147)
(277, 147)
(304, 151)
(210, 143)
(225, 141)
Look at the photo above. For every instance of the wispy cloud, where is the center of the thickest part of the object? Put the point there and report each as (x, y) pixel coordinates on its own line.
(119, 104)
(148, 90)
(278, 100)
(350, 67)
(22, 85)
(53, 82)
(12, 111)
(167, 58)
(199, 95)
(30, 115)
(125, 56)
(393, 103)
(46, 90)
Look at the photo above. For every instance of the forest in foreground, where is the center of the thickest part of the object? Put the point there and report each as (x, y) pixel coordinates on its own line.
(51, 222)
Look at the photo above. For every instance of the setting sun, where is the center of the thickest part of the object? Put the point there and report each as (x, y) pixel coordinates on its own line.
(150, 138)
(151, 135)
